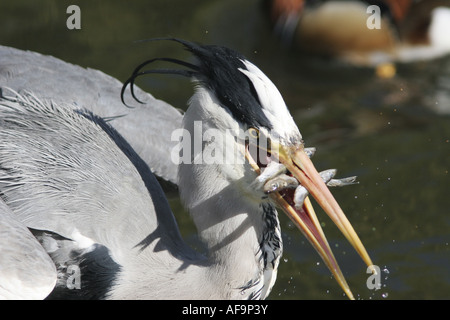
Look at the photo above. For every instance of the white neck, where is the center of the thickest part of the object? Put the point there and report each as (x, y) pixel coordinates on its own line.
(232, 220)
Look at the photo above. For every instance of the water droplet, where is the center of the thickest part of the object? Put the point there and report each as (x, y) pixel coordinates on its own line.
(285, 260)
(385, 295)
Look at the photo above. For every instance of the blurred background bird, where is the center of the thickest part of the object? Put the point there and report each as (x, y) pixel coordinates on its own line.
(370, 33)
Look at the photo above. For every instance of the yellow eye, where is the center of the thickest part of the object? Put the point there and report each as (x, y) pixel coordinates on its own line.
(254, 133)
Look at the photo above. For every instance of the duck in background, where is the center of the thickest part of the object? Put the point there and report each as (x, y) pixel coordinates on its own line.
(365, 33)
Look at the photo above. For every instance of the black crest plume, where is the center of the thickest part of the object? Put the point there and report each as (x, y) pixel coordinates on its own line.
(217, 70)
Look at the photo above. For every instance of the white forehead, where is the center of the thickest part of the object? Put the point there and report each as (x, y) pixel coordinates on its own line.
(272, 103)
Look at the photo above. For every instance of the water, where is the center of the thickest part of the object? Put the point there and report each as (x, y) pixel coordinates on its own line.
(394, 134)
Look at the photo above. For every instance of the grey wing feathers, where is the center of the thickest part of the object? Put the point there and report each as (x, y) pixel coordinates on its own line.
(147, 127)
(26, 271)
(68, 172)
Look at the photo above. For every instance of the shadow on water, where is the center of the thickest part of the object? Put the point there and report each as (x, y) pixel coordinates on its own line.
(394, 134)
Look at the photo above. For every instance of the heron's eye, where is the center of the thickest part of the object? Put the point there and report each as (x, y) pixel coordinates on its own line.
(254, 133)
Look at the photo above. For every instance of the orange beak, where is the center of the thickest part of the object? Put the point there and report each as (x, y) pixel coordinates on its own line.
(300, 166)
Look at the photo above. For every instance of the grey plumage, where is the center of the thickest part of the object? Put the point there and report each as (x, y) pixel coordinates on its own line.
(26, 270)
(50, 78)
(76, 160)
(45, 82)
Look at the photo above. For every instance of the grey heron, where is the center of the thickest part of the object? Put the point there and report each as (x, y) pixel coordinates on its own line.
(92, 201)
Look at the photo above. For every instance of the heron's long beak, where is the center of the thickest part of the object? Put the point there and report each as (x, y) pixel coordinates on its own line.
(298, 163)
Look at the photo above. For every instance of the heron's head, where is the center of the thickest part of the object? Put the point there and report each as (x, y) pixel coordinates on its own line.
(240, 106)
